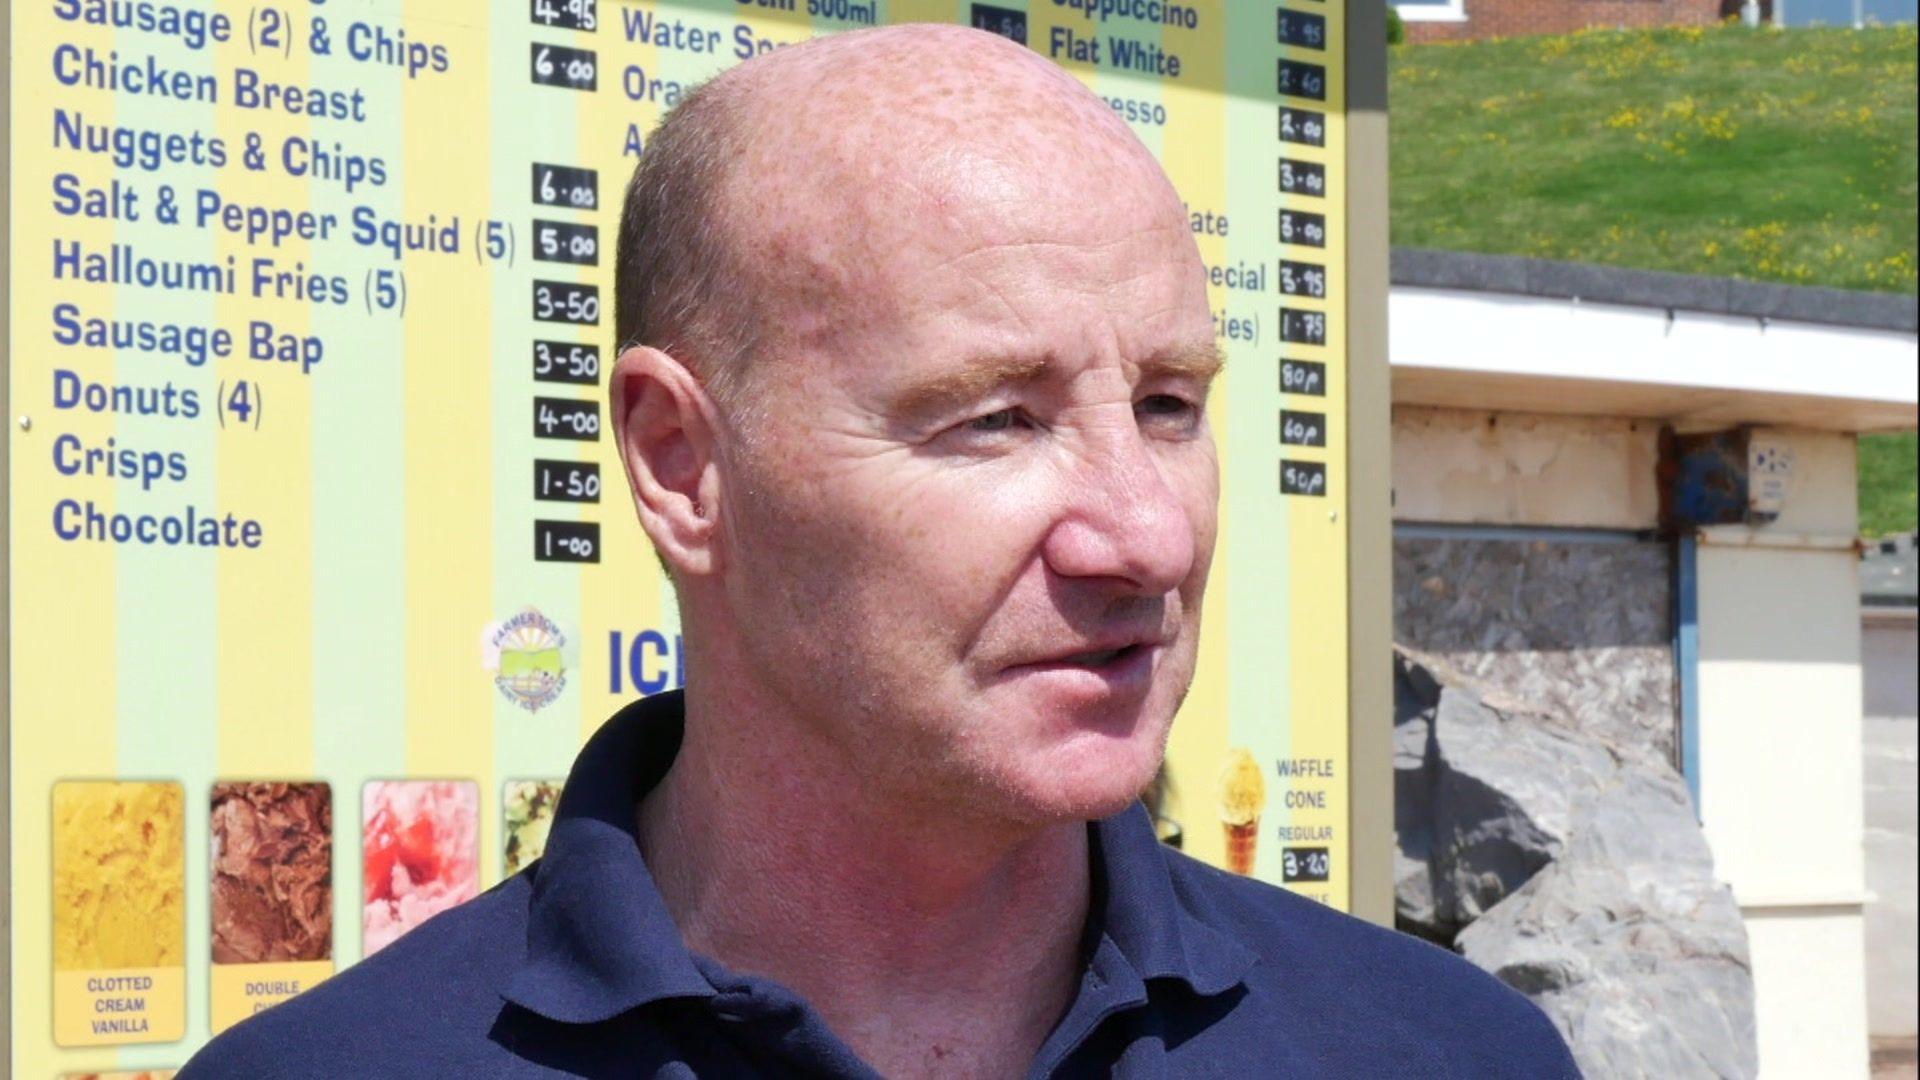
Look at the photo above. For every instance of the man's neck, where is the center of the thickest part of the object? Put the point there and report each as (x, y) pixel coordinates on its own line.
(930, 948)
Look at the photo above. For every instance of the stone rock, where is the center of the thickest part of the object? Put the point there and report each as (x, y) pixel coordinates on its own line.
(1503, 787)
(1575, 871)
(1415, 696)
(1626, 941)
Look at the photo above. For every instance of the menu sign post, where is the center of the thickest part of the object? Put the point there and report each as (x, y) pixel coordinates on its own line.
(314, 586)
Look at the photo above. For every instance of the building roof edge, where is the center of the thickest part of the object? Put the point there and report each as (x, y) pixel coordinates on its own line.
(1518, 275)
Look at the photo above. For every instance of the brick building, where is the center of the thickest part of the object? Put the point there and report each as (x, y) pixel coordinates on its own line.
(1458, 20)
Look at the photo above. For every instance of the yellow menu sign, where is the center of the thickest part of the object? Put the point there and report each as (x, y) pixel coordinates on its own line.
(308, 478)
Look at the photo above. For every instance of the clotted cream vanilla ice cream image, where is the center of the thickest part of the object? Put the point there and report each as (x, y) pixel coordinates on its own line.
(420, 851)
(119, 875)
(1243, 794)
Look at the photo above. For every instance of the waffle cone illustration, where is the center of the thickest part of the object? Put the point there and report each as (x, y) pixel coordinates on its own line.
(1241, 843)
(1243, 794)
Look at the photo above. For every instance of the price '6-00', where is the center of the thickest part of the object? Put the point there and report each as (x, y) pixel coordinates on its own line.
(557, 65)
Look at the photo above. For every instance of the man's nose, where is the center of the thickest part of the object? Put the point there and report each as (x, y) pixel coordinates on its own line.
(1121, 519)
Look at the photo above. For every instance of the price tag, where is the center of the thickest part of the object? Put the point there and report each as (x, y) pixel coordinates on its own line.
(567, 14)
(1303, 177)
(1303, 428)
(566, 242)
(565, 185)
(566, 541)
(1303, 377)
(1300, 227)
(1301, 29)
(1303, 279)
(566, 362)
(1303, 327)
(1303, 126)
(558, 65)
(1303, 478)
(566, 481)
(1303, 80)
(566, 418)
(1305, 864)
(566, 302)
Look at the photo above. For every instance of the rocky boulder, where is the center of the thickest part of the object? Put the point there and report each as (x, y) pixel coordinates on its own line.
(1575, 871)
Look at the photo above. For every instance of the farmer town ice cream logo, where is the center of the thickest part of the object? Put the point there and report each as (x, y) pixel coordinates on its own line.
(523, 653)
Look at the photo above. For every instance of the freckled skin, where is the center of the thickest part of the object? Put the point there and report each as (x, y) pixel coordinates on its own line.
(890, 576)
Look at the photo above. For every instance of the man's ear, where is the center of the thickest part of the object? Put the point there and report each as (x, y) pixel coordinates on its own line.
(664, 424)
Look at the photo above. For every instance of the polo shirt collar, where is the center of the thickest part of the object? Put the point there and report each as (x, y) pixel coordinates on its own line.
(1155, 928)
(600, 940)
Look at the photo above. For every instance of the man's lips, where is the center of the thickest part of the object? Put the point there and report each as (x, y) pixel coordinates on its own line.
(1095, 655)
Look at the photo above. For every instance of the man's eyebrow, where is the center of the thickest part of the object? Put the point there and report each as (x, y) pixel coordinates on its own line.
(1198, 362)
(939, 394)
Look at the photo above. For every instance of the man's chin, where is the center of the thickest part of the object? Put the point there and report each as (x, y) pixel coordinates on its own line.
(1088, 783)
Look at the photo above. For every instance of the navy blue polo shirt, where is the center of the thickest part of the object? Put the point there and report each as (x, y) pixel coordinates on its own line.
(573, 967)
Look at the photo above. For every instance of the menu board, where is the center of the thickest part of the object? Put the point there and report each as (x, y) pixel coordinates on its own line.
(321, 569)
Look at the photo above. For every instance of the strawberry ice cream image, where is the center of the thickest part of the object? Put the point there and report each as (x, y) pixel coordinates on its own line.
(420, 842)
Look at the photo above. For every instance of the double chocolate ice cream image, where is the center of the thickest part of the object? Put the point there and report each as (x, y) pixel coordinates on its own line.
(272, 873)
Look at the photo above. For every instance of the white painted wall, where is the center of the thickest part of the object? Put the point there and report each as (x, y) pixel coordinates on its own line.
(1890, 651)
(1780, 775)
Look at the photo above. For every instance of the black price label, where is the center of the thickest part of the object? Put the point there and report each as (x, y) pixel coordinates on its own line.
(566, 302)
(567, 14)
(566, 481)
(1303, 279)
(1303, 327)
(558, 65)
(566, 362)
(1303, 126)
(566, 242)
(1303, 428)
(1303, 177)
(1303, 80)
(1302, 29)
(1305, 864)
(1300, 227)
(1009, 23)
(566, 541)
(1303, 377)
(565, 185)
(566, 418)
(1303, 478)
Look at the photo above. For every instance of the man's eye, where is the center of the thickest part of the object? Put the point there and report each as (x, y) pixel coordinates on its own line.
(1165, 405)
(995, 421)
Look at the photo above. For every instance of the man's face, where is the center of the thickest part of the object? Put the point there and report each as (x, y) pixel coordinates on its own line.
(969, 532)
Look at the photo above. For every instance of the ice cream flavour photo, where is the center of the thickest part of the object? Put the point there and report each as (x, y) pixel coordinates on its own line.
(1243, 794)
(119, 877)
(272, 872)
(529, 814)
(420, 846)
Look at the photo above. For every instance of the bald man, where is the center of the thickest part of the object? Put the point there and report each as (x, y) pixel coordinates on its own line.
(914, 415)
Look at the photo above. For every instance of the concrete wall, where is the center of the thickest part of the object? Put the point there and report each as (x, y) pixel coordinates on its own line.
(1464, 466)
(1780, 775)
(1580, 630)
(1888, 646)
